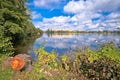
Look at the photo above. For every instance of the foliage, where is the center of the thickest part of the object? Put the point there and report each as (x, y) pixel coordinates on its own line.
(47, 58)
(6, 46)
(15, 24)
(65, 62)
(107, 50)
(87, 65)
(102, 69)
(7, 74)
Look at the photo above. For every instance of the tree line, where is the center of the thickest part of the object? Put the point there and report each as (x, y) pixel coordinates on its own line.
(15, 24)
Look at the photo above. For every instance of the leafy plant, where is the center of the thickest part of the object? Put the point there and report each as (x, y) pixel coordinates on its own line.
(6, 46)
(88, 65)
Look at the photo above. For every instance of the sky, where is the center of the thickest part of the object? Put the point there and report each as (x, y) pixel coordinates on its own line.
(82, 15)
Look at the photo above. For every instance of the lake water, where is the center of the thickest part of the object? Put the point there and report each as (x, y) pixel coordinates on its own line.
(65, 43)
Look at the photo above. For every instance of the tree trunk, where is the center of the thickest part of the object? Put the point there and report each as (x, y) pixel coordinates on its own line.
(21, 62)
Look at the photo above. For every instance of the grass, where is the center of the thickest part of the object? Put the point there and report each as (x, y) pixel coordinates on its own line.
(103, 64)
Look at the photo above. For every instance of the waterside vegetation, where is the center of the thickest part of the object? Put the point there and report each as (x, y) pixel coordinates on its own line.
(15, 25)
(77, 31)
(103, 64)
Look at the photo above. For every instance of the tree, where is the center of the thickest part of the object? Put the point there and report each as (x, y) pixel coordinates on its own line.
(15, 22)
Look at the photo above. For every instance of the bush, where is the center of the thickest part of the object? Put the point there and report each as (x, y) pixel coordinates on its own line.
(6, 45)
(103, 64)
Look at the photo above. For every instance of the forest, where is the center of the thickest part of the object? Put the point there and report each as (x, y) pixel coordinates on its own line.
(15, 24)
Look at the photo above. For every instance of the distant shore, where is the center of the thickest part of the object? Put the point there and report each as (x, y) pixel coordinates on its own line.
(76, 31)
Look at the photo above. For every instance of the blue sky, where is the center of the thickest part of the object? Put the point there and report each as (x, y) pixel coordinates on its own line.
(79, 15)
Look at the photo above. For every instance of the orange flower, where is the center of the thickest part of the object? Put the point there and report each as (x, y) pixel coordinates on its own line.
(17, 63)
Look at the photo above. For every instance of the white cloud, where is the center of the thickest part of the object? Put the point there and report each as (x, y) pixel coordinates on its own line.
(78, 6)
(36, 15)
(49, 4)
(84, 12)
(90, 25)
(85, 16)
(114, 15)
(106, 5)
(60, 19)
(40, 3)
(92, 5)
(60, 22)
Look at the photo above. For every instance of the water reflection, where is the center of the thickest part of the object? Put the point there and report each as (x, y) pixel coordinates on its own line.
(62, 43)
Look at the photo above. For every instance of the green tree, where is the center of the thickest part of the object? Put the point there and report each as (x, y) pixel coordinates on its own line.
(15, 22)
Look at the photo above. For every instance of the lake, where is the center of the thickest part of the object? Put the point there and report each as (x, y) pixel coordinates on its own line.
(65, 43)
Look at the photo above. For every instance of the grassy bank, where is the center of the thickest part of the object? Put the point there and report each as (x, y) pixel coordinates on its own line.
(103, 64)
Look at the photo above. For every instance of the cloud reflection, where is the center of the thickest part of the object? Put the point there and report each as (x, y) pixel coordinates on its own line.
(63, 44)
